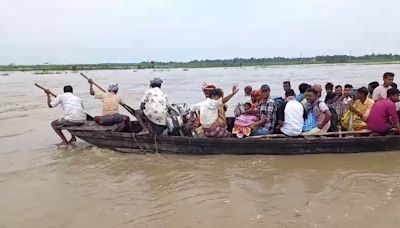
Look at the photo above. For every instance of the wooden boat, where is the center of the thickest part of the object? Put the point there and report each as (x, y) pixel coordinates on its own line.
(105, 137)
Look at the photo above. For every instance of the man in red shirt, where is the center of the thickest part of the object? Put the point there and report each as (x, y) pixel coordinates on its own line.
(383, 116)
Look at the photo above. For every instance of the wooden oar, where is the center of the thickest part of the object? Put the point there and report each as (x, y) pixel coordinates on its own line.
(127, 107)
(44, 89)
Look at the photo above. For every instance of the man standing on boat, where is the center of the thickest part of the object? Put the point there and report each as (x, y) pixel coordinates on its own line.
(111, 102)
(74, 113)
(267, 111)
(380, 92)
(154, 108)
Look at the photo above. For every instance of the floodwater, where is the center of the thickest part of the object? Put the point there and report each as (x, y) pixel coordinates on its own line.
(42, 186)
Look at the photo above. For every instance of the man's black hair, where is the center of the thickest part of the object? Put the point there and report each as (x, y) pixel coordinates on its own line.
(286, 82)
(303, 87)
(373, 84)
(155, 85)
(290, 93)
(338, 86)
(394, 85)
(68, 89)
(363, 90)
(392, 91)
(388, 74)
(348, 86)
(329, 85)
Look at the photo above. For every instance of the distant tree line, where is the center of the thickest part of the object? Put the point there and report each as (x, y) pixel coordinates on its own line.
(236, 62)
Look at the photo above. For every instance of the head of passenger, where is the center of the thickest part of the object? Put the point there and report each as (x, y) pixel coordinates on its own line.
(255, 96)
(265, 91)
(362, 93)
(329, 88)
(247, 106)
(286, 86)
(393, 94)
(113, 88)
(207, 90)
(156, 83)
(216, 94)
(388, 78)
(247, 90)
(68, 89)
(312, 95)
(372, 86)
(338, 90)
(318, 88)
(303, 87)
(347, 90)
(394, 85)
(290, 93)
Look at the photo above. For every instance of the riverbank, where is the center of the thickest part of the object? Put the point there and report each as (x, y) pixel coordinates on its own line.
(237, 62)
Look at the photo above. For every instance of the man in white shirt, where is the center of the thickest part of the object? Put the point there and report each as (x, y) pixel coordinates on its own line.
(208, 110)
(294, 112)
(154, 108)
(74, 113)
(380, 92)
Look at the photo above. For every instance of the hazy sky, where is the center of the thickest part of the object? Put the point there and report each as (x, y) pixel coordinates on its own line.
(94, 31)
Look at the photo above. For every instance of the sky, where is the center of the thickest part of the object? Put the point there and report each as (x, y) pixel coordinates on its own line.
(104, 31)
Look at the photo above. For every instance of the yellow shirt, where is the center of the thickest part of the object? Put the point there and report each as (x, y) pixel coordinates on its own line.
(364, 108)
(359, 122)
(110, 101)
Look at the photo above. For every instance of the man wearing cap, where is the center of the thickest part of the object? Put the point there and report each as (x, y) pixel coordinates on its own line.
(111, 102)
(267, 110)
(154, 108)
(110, 99)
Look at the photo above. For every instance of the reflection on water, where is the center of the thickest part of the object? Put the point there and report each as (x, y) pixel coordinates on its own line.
(91, 187)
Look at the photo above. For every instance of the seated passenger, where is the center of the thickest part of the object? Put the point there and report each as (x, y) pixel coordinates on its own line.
(357, 116)
(208, 110)
(371, 87)
(247, 93)
(303, 87)
(154, 108)
(111, 102)
(330, 95)
(318, 114)
(293, 116)
(256, 98)
(243, 122)
(267, 113)
(383, 116)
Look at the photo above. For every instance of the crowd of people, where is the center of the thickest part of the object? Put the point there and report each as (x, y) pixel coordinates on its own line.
(343, 108)
(295, 115)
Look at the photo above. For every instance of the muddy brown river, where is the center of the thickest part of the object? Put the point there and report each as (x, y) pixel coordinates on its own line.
(42, 186)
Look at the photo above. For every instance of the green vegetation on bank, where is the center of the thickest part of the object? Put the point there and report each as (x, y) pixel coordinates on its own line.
(237, 62)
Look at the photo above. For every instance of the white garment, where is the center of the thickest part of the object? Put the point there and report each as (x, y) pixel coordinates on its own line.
(294, 121)
(208, 111)
(72, 106)
(380, 93)
(156, 102)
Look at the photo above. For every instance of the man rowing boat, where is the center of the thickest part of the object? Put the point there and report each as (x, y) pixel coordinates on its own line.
(74, 113)
(111, 102)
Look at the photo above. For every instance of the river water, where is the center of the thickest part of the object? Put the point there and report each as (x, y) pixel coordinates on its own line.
(42, 186)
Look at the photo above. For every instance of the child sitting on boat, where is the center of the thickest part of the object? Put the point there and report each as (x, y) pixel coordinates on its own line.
(243, 122)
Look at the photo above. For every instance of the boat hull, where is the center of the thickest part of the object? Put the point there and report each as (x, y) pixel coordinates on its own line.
(205, 146)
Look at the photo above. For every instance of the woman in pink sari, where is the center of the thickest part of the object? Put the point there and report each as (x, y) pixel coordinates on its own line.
(243, 122)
